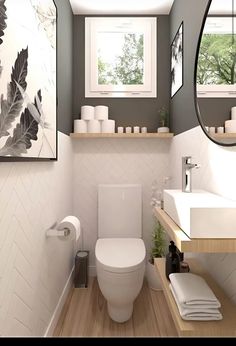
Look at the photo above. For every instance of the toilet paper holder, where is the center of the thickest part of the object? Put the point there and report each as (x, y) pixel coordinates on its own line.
(68, 228)
(53, 232)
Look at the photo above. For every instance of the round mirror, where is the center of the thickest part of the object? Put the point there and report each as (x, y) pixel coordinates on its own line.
(215, 73)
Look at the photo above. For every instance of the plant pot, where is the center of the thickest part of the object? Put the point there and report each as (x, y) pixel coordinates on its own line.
(153, 279)
(163, 130)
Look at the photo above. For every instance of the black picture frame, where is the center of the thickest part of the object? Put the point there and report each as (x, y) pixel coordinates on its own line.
(177, 61)
(36, 121)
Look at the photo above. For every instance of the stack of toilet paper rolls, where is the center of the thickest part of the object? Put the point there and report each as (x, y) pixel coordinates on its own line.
(230, 125)
(94, 120)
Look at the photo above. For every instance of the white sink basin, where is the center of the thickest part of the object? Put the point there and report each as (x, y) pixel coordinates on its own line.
(201, 214)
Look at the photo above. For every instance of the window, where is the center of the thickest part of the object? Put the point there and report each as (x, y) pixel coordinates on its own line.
(120, 57)
(216, 75)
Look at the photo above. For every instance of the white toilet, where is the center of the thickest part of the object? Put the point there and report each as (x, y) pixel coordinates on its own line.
(120, 251)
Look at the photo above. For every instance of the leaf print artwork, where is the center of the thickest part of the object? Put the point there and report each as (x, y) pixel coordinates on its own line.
(47, 18)
(12, 106)
(3, 18)
(25, 132)
(28, 92)
(3, 24)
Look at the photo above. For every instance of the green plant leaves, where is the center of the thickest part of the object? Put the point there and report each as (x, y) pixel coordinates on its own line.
(158, 241)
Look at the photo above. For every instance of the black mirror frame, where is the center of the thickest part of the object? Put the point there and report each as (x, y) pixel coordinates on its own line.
(195, 83)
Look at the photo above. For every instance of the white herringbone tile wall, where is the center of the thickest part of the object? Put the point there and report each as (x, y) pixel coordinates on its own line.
(33, 269)
(217, 174)
(106, 161)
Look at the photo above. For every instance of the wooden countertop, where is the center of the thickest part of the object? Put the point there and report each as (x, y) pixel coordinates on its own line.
(186, 244)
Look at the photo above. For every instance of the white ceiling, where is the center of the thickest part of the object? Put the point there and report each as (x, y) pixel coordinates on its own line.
(139, 6)
(221, 7)
(121, 6)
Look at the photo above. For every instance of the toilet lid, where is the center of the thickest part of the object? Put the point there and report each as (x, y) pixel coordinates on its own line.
(120, 254)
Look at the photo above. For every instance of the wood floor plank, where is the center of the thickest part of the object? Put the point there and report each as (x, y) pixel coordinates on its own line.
(144, 319)
(87, 316)
(162, 314)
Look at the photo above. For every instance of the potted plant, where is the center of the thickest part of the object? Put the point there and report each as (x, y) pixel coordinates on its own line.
(163, 120)
(158, 250)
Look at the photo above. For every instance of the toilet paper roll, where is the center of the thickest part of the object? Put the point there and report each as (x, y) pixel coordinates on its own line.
(233, 113)
(71, 223)
(87, 112)
(80, 126)
(101, 113)
(108, 126)
(94, 126)
(230, 126)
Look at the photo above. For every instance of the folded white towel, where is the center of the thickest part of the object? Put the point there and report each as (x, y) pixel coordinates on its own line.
(195, 307)
(196, 314)
(192, 290)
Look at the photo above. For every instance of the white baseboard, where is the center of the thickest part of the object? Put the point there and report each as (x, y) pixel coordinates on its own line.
(60, 304)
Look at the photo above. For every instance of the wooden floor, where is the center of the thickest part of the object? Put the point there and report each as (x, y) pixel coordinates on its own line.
(85, 315)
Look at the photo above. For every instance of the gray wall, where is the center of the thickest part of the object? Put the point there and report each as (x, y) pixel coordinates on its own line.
(64, 65)
(215, 111)
(183, 114)
(125, 111)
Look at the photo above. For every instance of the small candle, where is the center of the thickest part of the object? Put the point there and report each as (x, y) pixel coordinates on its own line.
(220, 129)
(128, 129)
(120, 129)
(144, 129)
(212, 130)
(136, 129)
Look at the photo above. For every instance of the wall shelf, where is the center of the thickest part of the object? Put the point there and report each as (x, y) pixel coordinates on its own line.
(223, 135)
(225, 327)
(186, 244)
(122, 135)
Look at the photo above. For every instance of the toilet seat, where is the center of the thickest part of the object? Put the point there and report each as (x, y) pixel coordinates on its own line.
(120, 255)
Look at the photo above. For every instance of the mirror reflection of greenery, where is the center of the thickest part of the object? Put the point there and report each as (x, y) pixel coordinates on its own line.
(217, 60)
(127, 68)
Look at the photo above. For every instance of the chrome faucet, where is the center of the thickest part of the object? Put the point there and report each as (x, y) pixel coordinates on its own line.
(187, 173)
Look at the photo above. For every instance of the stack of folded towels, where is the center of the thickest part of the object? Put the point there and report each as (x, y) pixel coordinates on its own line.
(194, 298)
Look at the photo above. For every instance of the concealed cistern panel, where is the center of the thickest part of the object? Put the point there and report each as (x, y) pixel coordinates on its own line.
(119, 211)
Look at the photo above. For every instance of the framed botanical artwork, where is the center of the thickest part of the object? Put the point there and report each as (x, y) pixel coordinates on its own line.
(177, 61)
(28, 80)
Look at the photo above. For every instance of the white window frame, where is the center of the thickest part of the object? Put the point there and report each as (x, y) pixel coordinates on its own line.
(149, 28)
(220, 91)
(213, 90)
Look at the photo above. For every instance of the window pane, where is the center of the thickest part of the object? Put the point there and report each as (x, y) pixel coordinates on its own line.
(216, 64)
(120, 58)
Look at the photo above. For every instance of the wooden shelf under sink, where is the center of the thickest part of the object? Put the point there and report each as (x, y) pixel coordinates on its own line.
(225, 327)
(186, 244)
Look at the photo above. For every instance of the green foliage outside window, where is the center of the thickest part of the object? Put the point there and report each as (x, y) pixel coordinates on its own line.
(217, 60)
(128, 68)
